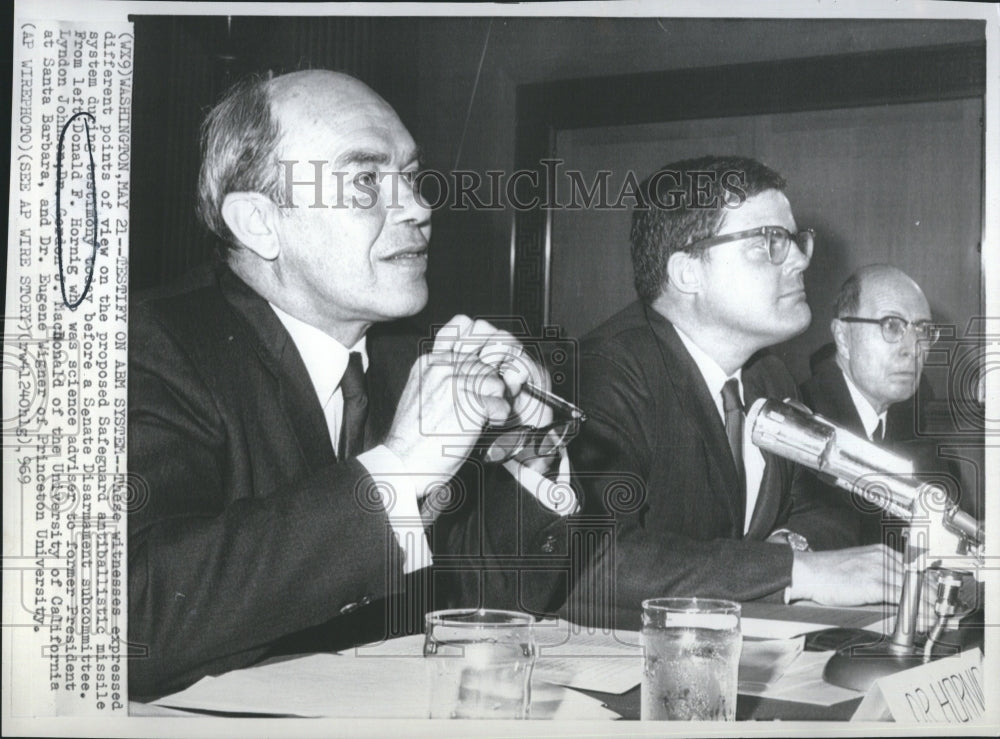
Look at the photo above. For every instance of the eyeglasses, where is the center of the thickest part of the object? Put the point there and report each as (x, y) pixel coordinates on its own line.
(539, 442)
(775, 240)
(894, 328)
(507, 443)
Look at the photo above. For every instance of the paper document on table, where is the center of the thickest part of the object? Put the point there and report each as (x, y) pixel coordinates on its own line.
(884, 626)
(568, 655)
(767, 628)
(586, 658)
(315, 685)
(764, 661)
(611, 661)
(351, 686)
(802, 682)
(604, 674)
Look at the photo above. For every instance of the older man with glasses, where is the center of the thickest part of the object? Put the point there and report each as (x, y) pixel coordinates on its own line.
(882, 330)
(697, 509)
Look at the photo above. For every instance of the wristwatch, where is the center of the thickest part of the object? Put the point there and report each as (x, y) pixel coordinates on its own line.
(797, 542)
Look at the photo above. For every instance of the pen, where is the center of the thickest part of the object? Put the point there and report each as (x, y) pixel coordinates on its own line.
(554, 400)
(545, 396)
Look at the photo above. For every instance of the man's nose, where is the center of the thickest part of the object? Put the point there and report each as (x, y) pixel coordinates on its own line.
(410, 207)
(796, 261)
(908, 342)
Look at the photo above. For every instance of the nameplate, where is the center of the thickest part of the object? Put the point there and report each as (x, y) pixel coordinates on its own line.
(945, 691)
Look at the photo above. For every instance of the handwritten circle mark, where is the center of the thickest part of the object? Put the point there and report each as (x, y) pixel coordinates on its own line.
(93, 197)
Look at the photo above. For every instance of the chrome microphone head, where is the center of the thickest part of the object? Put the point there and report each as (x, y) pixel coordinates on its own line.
(789, 429)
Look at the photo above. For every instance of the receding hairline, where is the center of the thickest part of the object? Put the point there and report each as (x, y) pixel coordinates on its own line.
(876, 273)
(307, 84)
(297, 98)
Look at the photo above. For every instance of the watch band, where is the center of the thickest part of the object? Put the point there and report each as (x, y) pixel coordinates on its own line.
(797, 542)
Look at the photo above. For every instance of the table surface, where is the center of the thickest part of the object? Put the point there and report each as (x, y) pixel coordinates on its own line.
(748, 708)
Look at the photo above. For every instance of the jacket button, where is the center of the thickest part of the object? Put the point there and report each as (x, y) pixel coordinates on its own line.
(550, 544)
(365, 601)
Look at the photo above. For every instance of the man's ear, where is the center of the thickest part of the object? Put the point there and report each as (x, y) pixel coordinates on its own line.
(250, 216)
(839, 331)
(684, 272)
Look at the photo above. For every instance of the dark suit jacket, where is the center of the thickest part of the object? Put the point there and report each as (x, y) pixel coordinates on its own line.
(654, 456)
(858, 522)
(247, 537)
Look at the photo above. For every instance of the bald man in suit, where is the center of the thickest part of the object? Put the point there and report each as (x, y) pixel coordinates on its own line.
(882, 331)
(308, 476)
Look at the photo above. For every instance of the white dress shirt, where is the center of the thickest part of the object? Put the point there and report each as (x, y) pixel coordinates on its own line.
(869, 418)
(400, 489)
(715, 378)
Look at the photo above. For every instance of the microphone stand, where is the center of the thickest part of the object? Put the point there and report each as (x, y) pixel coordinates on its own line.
(937, 528)
(859, 666)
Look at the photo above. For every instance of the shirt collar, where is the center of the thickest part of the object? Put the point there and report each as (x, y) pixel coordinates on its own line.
(325, 358)
(715, 377)
(869, 418)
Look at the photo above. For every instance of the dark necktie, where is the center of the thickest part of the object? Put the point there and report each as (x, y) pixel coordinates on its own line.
(879, 433)
(355, 392)
(733, 409)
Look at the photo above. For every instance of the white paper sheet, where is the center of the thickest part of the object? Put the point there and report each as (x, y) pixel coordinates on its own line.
(883, 626)
(765, 628)
(605, 674)
(388, 679)
(803, 682)
(349, 686)
(589, 659)
(764, 661)
(567, 655)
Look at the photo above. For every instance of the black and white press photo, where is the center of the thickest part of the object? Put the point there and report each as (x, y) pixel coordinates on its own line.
(384, 364)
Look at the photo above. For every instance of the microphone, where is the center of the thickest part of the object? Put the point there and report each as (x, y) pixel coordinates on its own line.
(791, 430)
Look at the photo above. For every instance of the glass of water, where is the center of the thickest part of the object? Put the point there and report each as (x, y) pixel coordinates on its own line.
(479, 663)
(691, 658)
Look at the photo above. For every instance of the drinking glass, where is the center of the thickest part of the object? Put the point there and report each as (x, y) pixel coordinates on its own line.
(479, 663)
(691, 659)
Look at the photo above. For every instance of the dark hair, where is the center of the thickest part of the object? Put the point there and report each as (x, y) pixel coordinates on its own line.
(239, 141)
(684, 202)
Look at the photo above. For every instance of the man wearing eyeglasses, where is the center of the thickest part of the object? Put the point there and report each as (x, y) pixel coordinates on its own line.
(882, 330)
(666, 382)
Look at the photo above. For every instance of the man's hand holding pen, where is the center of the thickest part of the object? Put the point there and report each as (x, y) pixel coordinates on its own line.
(477, 377)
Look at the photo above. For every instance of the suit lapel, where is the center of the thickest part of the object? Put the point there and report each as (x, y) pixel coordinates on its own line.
(842, 399)
(693, 396)
(277, 352)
